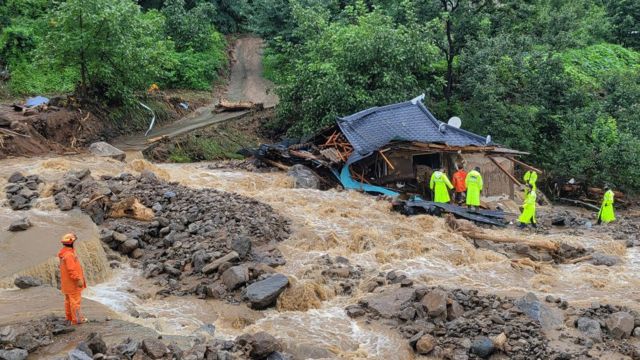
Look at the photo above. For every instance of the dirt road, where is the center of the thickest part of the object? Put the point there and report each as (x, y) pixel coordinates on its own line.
(245, 83)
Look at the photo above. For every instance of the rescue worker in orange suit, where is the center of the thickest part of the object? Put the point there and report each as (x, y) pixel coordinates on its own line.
(71, 279)
(459, 186)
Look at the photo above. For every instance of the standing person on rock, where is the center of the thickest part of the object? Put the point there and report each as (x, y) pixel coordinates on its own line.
(606, 214)
(474, 188)
(71, 279)
(528, 215)
(438, 184)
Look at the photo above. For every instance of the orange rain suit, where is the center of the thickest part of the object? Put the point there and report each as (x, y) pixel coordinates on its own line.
(459, 178)
(70, 274)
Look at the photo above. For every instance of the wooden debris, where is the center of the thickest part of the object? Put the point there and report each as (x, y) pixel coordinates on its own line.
(538, 244)
(386, 160)
(280, 166)
(522, 263)
(513, 178)
(226, 105)
(9, 132)
(580, 259)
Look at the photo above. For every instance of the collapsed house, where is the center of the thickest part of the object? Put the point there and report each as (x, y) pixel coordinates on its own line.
(393, 150)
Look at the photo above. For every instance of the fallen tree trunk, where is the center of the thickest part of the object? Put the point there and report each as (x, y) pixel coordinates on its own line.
(539, 244)
(226, 105)
(580, 203)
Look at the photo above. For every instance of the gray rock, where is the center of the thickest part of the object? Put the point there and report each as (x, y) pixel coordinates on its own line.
(19, 202)
(128, 246)
(119, 237)
(7, 335)
(590, 327)
(354, 311)
(620, 324)
(414, 339)
(235, 276)
(604, 259)
(263, 345)
(83, 347)
(532, 307)
(425, 344)
(13, 189)
(263, 294)
(303, 177)
(215, 264)
(390, 302)
(636, 332)
(215, 291)
(104, 149)
(16, 177)
(199, 260)
(96, 344)
(21, 224)
(155, 348)
(408, 313)
(454, 310)
(482, 347)
(25, 282)
(14, 354)
(127, 348)
(31, 185)
(436, 303)
(241, 245)
(64, 202)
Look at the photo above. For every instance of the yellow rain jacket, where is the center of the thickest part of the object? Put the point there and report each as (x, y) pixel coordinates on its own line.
(606, 213)
(438, 184)
(474, 187)
(529, 209)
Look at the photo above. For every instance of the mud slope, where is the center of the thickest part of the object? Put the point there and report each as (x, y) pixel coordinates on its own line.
(245, 83)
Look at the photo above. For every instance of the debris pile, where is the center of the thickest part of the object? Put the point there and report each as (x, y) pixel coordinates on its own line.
(192, 241)
(22, 190)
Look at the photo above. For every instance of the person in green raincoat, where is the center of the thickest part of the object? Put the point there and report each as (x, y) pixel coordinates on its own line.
(438, 184)
(606, 214)
(474, 187)
(528, 215)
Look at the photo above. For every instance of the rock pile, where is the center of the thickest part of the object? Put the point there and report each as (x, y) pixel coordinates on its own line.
(259, 346)
(193, 241)
(22, 190)
(17, 341)
(459, 324)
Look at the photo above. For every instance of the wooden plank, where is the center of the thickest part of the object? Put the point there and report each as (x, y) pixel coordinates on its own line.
(523, 164)
(513, 178)
(276, 164)
(387, 161)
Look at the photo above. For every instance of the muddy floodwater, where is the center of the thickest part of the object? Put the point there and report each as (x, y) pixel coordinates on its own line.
(339, 223)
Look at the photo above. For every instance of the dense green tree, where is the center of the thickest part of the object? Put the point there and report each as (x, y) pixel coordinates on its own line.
(625, 20)
(114, 48)
(349, 67)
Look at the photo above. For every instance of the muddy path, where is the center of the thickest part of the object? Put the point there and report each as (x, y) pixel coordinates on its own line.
(245, 83)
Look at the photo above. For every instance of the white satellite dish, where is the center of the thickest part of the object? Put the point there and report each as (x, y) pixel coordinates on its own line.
(442, 128)
(488, 141)
(455, 121)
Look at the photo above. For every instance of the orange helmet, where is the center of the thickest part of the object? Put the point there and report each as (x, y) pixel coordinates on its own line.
(69, 238)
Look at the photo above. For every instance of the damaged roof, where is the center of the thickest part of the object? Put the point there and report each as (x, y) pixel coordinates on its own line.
(371, 129)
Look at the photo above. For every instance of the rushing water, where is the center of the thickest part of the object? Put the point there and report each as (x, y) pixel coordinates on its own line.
(348, 224)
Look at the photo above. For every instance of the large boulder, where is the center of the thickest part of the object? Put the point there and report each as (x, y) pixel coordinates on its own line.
(25, 282)
(104, 149)
(263, 345)
(96, 344)
(303, 177)
(16, 177)
(235, 276)
(535, 309)
(590, 327)
(155, 348)
(436, 303)
(482, 347)
(620, 324)
(263, 294)
(21, 224)
(241, 245)
(390, 302)
(604, 259)
(64, 202)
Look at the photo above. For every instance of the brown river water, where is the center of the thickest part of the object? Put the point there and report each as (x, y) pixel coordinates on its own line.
(359, 227)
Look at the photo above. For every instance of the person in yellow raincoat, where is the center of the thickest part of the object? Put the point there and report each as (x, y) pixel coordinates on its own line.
(530, 177)
(474, 187)
(606, 214)
(438, 184)
(528, 215)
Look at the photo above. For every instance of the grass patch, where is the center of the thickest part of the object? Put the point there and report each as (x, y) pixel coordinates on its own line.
(223, 143)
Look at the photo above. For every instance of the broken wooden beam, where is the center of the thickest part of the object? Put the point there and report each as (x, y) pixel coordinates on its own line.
(386, 160)
(273, 163)
(580, 203)
(523, 164)
(513, 178)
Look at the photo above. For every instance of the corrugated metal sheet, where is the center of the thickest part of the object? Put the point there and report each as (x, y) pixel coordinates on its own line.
(371, 129)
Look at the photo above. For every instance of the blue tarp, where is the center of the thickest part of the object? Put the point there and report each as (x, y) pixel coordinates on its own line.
(36, 101)
(350, 184)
